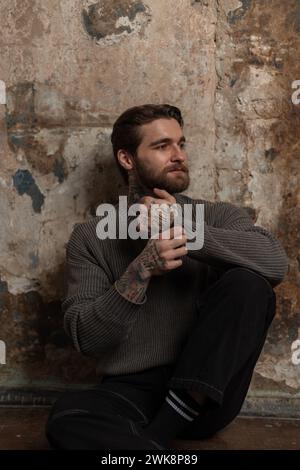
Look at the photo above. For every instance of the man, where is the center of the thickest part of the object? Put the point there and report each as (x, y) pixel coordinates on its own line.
(176, 332)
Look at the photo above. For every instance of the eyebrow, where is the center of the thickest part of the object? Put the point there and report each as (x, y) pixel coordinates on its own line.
(166, 140)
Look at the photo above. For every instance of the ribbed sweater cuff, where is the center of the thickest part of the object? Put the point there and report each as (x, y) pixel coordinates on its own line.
(118, 307)
(131, 301)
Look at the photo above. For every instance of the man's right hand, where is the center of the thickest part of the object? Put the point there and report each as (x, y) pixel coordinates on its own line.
(163, 255)
(158, 257)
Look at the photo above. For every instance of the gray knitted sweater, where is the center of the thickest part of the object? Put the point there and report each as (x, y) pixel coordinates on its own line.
(126, 337)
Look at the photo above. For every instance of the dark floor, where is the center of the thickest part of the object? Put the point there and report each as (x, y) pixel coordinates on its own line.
(23, 428)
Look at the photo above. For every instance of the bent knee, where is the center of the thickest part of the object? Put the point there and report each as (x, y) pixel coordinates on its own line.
(247, 281)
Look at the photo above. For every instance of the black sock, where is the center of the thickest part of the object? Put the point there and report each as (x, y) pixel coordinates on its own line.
(178, 410)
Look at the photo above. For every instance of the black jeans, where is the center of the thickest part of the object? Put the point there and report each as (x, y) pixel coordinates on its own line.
(218, 359)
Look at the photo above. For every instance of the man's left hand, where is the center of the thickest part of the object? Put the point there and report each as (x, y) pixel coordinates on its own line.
(163, 198)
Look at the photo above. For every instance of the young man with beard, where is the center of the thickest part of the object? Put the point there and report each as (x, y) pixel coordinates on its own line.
(176, 332)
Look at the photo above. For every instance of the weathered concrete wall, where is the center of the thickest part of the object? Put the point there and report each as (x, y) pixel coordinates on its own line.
(70, 68)
(257, 152)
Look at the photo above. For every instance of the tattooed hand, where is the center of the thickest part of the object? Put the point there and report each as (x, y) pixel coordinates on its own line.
(158, 257)
(153, 222)
(162, 255)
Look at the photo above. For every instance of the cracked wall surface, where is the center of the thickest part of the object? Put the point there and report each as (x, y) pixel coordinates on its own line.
(257, 151)
(70, 68)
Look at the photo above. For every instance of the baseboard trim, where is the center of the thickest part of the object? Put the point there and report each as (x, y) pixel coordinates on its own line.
(273, 406)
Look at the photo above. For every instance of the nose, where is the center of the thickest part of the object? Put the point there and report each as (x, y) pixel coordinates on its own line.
(178, 154)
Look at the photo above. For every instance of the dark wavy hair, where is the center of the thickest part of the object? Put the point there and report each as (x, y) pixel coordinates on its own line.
(126, 134)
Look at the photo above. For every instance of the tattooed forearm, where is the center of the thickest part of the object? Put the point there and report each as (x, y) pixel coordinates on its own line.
(134, 282)
(150, 258)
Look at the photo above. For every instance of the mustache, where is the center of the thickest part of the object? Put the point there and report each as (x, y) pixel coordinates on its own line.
(177, 167)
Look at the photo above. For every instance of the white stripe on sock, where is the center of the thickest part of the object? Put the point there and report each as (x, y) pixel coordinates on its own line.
(182, 403)
(179, 410)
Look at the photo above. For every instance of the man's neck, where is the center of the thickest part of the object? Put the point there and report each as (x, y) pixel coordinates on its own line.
(136, 191)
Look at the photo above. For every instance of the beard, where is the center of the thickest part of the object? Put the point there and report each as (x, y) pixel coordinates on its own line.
(172, 183)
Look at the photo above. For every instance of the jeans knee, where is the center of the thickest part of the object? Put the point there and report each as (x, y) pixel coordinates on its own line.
(247, 282)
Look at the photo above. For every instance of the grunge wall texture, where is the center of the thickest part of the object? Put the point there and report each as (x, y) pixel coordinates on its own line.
(70, 68)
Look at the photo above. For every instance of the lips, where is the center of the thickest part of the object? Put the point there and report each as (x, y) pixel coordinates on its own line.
(177, 169)
(177, 172)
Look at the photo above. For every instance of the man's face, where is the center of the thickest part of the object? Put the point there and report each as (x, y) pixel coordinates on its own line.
(161, 159)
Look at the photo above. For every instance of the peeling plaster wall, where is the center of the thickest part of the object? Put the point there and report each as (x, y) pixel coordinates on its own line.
(257, 153)
(70, 68)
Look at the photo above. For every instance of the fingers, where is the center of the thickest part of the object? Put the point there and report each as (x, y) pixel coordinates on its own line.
(148, 201)
(177, 233)
(172, 247)
(164, 195)
(173, 264)
(177, 253)
(177, 242)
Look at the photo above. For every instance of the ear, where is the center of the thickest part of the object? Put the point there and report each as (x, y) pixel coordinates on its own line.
(125, 159)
